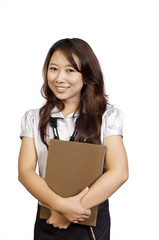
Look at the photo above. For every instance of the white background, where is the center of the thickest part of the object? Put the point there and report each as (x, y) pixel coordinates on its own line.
(125, 37)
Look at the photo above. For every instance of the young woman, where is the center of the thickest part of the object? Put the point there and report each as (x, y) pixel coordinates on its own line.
(74, 92)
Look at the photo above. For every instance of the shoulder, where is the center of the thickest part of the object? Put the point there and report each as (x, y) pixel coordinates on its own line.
(113, 120)
(112, 111)
(31, 114)
(30, 118)
(29, 123)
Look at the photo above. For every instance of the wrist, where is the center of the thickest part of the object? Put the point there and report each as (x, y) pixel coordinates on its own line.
(85, 203)
(57, 204)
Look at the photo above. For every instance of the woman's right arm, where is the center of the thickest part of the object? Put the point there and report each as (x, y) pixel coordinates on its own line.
(30, 179)
(71, 207)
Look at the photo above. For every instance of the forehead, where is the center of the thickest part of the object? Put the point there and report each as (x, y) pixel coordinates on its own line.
(59, 57)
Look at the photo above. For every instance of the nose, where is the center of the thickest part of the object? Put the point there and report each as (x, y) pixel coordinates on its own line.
(60, 77)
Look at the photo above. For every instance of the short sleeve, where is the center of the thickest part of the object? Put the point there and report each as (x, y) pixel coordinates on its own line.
(113, 122)
(27, 125)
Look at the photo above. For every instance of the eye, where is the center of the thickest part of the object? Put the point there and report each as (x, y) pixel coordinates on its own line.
(53, 68)
(70, 70)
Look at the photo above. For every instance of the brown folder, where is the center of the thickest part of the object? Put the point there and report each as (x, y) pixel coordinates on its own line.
(72, 166)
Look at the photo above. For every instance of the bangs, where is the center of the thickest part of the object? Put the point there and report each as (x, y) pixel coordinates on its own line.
(68, 52)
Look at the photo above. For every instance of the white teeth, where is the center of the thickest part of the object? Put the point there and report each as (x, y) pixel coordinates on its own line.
(62, 88)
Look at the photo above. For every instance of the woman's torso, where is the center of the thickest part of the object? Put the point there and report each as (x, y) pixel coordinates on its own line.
(112, 124)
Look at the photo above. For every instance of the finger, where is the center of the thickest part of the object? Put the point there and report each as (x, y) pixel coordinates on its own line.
(87, 212)
(55, 225)
(83, 193)
(49, 221)
(85, 216)
(75, 221)
(62, 227)
(43, 205)
(65, 226)
(81, 219)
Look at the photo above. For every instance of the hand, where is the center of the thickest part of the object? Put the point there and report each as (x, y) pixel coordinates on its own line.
(72, 208)
(56, 219)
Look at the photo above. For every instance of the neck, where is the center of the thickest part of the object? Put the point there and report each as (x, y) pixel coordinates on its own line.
(69, 108)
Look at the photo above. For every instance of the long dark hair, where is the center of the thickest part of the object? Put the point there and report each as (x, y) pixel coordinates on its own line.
(93, 101)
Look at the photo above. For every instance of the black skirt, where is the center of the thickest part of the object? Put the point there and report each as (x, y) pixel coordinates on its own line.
(44, 231)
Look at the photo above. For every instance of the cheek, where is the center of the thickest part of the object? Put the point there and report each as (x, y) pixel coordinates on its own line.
(50, 77)
(78, 82)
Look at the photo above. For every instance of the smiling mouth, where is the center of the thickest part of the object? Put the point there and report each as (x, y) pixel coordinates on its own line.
(62, 88)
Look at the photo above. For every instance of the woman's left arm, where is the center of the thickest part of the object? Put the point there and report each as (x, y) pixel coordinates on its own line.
(116, 175)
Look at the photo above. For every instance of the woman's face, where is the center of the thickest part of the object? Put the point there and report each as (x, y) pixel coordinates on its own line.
(65, 82)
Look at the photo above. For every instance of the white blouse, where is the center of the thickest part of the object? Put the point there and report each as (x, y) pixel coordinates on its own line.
(112, 124)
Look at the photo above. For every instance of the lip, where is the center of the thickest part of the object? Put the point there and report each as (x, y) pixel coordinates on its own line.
(62, 89)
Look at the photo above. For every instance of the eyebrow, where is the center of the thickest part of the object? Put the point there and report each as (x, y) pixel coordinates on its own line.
(68, 65)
